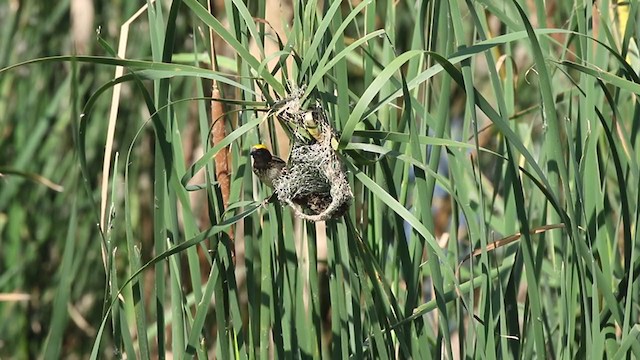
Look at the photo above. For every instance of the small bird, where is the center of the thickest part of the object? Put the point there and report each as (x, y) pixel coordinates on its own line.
(266, 166)
(317, 126)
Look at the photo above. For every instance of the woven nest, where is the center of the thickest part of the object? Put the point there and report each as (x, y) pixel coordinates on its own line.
(315, 182)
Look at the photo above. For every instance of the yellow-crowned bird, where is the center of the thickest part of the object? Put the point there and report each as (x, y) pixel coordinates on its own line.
(265, 165)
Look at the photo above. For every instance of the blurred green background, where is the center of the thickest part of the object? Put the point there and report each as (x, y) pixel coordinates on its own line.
(492, 148)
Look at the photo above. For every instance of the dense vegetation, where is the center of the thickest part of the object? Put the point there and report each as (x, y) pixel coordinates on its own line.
(491, 146)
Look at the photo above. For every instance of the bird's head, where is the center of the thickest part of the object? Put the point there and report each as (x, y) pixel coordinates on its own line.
(260, 154)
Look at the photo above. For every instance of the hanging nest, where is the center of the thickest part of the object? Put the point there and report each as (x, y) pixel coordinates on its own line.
(315, 182)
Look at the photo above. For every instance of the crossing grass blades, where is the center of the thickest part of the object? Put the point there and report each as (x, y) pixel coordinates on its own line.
(314, 184)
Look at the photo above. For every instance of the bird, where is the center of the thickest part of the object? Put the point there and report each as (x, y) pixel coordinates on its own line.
(266, 166)
(317, 126)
